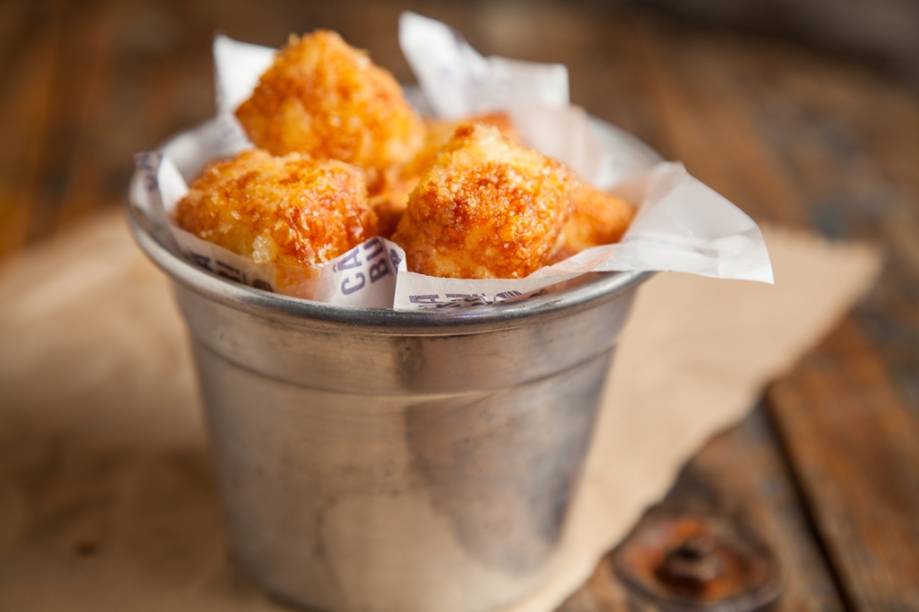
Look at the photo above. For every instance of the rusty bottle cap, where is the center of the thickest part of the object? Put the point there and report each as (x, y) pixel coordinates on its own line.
(683, 562)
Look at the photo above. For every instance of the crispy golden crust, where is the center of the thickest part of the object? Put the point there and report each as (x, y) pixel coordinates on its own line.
(597, 218)
(290, 210)
(327, 99)
(389, 196)
(438, 133)
(487, 208)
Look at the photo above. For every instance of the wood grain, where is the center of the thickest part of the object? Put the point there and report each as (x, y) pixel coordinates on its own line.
(804, 150)
(741, 477)
(791, 134)
(30, 55)
(851, 440)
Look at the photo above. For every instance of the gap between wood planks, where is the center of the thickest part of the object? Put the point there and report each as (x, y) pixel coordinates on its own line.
(846, 598)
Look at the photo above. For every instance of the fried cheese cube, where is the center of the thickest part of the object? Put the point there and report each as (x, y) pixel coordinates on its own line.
(597, 218)
(327, 99)
(390, 196)
(439, 132)
(290, 210)
(486, 208)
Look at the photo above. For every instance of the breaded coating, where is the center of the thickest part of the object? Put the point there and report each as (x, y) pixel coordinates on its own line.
(291, 210)
(487, 208)
(327, 99)
(390, 202)
(439, 132)
(390, 197)
(597, 217)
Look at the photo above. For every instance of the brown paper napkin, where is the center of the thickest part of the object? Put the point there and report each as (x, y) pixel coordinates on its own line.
(106, 495)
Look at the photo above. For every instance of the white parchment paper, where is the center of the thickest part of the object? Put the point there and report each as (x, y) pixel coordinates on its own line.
(681, 225)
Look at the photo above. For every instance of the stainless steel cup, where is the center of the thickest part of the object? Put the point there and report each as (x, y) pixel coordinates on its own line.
(373, 460)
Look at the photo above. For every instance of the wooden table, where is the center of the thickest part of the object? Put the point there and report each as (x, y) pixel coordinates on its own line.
(827, 468)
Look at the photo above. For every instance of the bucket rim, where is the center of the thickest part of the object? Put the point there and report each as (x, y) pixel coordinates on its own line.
(588, 288)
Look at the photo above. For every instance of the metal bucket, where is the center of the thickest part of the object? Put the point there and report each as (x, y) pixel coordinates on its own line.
(373, 460)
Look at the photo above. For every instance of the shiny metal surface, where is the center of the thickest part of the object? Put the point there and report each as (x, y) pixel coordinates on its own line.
(372, 460)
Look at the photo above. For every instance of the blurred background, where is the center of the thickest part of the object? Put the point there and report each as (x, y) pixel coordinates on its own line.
(805, 113)
(752, 95)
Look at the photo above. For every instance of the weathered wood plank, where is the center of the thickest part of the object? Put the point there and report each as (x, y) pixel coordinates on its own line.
(844, 139)
(852, 441)
(716, 136)
(848, 157)
(77, 143)
(66, 98)
(845, 414)
(741, 476)
(30, 54)
(746, 477)
(125, 89)
(811, 169)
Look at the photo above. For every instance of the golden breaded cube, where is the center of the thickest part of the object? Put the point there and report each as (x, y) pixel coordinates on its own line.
(291, 210)
(439, 132)
(327, 99)
(597, 218)
(487, 208)
(390, 196)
